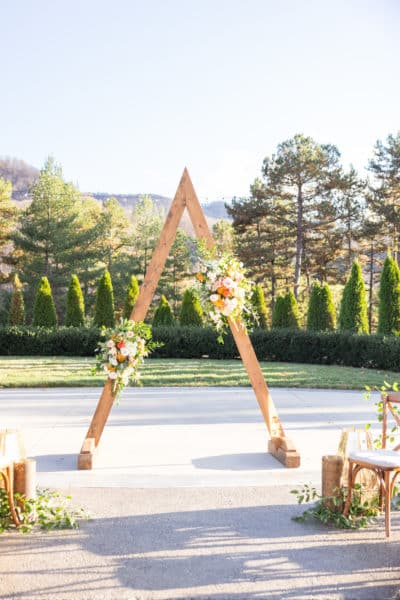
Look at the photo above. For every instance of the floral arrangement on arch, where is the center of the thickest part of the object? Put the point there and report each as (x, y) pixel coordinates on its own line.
(225, 293)
(123, 352)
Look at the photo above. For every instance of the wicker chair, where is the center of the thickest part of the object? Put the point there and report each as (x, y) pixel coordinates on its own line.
(385, 463)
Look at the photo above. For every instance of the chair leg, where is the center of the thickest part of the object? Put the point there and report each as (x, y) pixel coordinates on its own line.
(387, 503)
(349, 489)
(8, 477)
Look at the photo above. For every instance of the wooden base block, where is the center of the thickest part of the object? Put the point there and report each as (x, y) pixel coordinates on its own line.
(283, 450)
(87, 455)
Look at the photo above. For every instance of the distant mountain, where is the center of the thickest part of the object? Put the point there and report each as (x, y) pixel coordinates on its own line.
(215, 210)
(22, 176)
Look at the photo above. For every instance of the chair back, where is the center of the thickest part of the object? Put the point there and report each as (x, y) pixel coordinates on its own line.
(389, 402)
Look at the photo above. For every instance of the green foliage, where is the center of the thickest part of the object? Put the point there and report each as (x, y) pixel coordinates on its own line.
(44, 310)
(50, 510)
(104, 309)
(63, 341)
(191, 313)
(16, 315)
(286, 312)
(328, 510)
(353, 308)
(321, 310)
(132, 294)
(389, 298)
(260, 309)
(75, 313)
(163, 316)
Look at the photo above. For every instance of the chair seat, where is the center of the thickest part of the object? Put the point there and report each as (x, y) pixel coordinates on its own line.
(378, 458)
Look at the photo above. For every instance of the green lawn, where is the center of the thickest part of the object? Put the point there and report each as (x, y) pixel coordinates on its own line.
(72, 371)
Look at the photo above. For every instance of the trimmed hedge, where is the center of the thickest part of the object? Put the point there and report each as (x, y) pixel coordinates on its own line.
(39, 341)
(336, 348)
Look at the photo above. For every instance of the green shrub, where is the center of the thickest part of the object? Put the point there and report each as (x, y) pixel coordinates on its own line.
(286, 312)
(260, 309)
(132, 294)
(75, 313)
(44, 310)
(104, 309)
(16, 315)
(353, 309)
(321, 314)
(389, 298)
(33, 341)
(163, 316)
(191, 313)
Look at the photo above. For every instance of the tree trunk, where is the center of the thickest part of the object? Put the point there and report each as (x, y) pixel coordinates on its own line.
(371, 286)
(299, 241)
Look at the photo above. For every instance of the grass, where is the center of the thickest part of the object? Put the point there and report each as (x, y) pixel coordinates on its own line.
(65, 371)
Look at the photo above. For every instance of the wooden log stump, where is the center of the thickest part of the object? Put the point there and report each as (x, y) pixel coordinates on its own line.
(332, 469)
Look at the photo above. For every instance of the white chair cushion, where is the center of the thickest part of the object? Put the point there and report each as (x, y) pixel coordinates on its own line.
(378, 458)
(4, 462)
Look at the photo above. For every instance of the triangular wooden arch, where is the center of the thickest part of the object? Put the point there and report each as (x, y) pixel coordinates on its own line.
(185, 197)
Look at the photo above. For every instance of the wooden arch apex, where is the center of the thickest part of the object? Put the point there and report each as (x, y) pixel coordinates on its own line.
(278, 445)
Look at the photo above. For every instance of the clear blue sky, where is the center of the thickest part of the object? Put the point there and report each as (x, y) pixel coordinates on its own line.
(125, 93)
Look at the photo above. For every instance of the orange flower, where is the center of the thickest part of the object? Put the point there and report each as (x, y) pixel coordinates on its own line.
(200, 277)
(121, 358)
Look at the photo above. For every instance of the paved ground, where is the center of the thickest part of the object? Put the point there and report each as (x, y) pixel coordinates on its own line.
(186, 502)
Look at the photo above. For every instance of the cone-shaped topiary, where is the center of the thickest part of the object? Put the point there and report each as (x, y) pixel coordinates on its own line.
(44, 310)
(353, 309)
(191, 313)
(16, 315)
(163, 316)
(260, 309)
(75, 313)
(389, 298)
(132, 294)
(321, 314)
(104, 309)
(278, 314)
(286, 312)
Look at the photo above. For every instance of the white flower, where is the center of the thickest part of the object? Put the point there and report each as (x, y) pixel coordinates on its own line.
(124, 350)
(129, 334)
(131, 348)
(112, 375)
(113, 361)
(110, 344)
(214, 297)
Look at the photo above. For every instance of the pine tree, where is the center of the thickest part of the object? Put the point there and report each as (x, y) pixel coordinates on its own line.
(353, 309)
(191, 313)
(75, 313)
(163, 316)
(389, 298)
(260, 309)
(16, 314)
(132, 294)
(44, 310)
(321, 314)
(104, 309)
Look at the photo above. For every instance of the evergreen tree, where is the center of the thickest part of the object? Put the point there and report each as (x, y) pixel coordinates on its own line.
(104, 309)
(260, 309)
(163, 316)
(75, 313)
(292, 311)
(44, 310)
(389, 298)
(286, 312)
(321, 310)
(132, 294)
(16, 314)
(353, 308)
(191, 313)
(278, 314)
